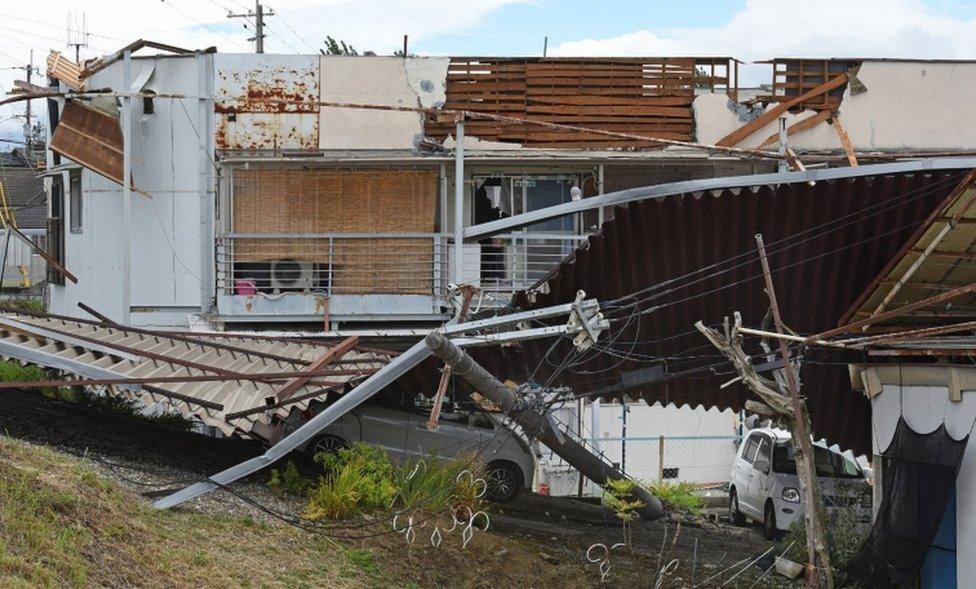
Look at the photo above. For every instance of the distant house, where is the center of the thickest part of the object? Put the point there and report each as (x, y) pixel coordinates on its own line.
(25, 198)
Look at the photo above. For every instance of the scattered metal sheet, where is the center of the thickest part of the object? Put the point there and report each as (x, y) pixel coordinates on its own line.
(210, 394)
(91, 138)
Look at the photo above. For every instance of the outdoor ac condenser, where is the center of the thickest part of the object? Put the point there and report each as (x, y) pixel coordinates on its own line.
(292, 275)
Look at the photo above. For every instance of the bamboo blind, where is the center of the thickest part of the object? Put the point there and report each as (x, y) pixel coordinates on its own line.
(342, 201)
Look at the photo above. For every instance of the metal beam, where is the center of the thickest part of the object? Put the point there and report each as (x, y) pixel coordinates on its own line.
(374, 384)
(674, 188)
(352, 399)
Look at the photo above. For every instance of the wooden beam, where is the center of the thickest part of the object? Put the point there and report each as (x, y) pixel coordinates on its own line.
(288, 389)
(899, 312)
(771, 114)
(845, 140)
(807, 123)
(57, 265)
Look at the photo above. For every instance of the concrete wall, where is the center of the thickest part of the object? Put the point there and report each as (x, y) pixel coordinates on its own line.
(921, 396)
(388, 81)
(908, 106)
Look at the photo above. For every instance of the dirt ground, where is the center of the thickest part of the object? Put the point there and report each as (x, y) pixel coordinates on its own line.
(532, 541)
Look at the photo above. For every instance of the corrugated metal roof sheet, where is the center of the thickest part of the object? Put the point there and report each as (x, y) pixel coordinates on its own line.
(841, 233)
(232, 406)
(937, 257)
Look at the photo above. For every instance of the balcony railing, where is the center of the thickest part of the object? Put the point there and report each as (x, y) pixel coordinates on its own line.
(382, 263)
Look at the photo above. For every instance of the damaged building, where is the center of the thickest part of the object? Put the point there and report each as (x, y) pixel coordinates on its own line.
(259, 195)
(344, 195)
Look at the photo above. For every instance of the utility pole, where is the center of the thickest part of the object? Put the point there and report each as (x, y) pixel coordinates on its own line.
(258, 15)
(28, 115)
(77, 35)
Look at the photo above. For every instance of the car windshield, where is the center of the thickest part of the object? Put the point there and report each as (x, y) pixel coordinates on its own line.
(829, 463)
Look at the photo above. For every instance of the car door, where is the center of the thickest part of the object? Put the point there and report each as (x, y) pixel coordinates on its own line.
(743, 471)
(450, 438)
(759, 480)
(387, 428)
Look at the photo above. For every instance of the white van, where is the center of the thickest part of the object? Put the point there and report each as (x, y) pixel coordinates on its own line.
(764, 487)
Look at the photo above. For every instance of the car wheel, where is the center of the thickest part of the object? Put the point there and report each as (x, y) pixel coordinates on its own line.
(769, 522)
(325, 444)
(734, 514)
(504, 481)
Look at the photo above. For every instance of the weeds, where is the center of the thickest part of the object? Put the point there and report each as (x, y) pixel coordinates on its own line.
(618, 496)
(31, 305)
(288, 481)
(680, 496)
(358, 480)
(845, 530)
(361, 479)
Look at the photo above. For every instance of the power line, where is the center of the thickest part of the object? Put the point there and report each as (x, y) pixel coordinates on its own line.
(47, 24)
(202, 24)
(294, 32)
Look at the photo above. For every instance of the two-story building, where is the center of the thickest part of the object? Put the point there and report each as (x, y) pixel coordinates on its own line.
(321, 190)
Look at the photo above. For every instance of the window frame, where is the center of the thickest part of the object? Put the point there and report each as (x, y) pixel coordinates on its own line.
(76, 204)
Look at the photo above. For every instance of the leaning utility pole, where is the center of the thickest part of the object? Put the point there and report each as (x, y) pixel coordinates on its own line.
(258, 15)
(817, 552)
(535, 420)
(789, 407)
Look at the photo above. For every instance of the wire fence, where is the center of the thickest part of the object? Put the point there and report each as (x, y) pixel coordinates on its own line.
(700, 460)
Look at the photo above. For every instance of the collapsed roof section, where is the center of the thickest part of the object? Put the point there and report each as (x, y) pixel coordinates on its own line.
(640, 95)
(236, 385)
(690, 257)
(935, 259)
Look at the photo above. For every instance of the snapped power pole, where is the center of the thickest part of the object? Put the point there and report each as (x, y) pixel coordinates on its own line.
(258, 14)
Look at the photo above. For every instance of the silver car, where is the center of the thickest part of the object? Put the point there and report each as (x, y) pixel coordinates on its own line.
(402, 432)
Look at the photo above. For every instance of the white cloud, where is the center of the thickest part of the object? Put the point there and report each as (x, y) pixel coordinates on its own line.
(799, 28)
(300, 26)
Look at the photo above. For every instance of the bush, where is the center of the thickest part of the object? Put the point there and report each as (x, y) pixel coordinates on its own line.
(845, 533)
(433, 485)
(288, 481)
(357, 480)
(31, 305)
(361, 479)
(680, 496)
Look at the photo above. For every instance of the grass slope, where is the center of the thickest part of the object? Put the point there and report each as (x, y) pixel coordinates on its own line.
(62, 525)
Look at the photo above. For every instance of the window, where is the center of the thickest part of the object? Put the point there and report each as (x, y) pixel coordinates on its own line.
(75, 205)
(55, 230)
(765, 449)
(752, 446)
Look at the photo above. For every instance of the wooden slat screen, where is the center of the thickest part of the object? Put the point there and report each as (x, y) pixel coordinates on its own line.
(793, 77)
(647, 96)
(342, 201)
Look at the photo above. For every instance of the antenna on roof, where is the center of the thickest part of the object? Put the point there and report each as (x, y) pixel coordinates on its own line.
(545, 45)
(76, 33)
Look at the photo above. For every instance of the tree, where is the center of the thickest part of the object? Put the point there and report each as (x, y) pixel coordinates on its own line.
(335, 47)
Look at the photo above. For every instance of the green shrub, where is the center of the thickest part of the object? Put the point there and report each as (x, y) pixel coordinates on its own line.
(680, 496)
(32, 305)
(361, 479)
(845, 533)
(432, 485)
(288, 481)
(357, 480)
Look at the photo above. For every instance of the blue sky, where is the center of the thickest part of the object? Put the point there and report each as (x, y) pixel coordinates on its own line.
(518, 29)
(746, 29)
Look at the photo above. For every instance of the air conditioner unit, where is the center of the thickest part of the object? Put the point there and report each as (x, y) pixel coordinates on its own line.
(292, 275)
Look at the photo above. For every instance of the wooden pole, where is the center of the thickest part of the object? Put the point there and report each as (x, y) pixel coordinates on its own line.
(803, 447)
(435, 411)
